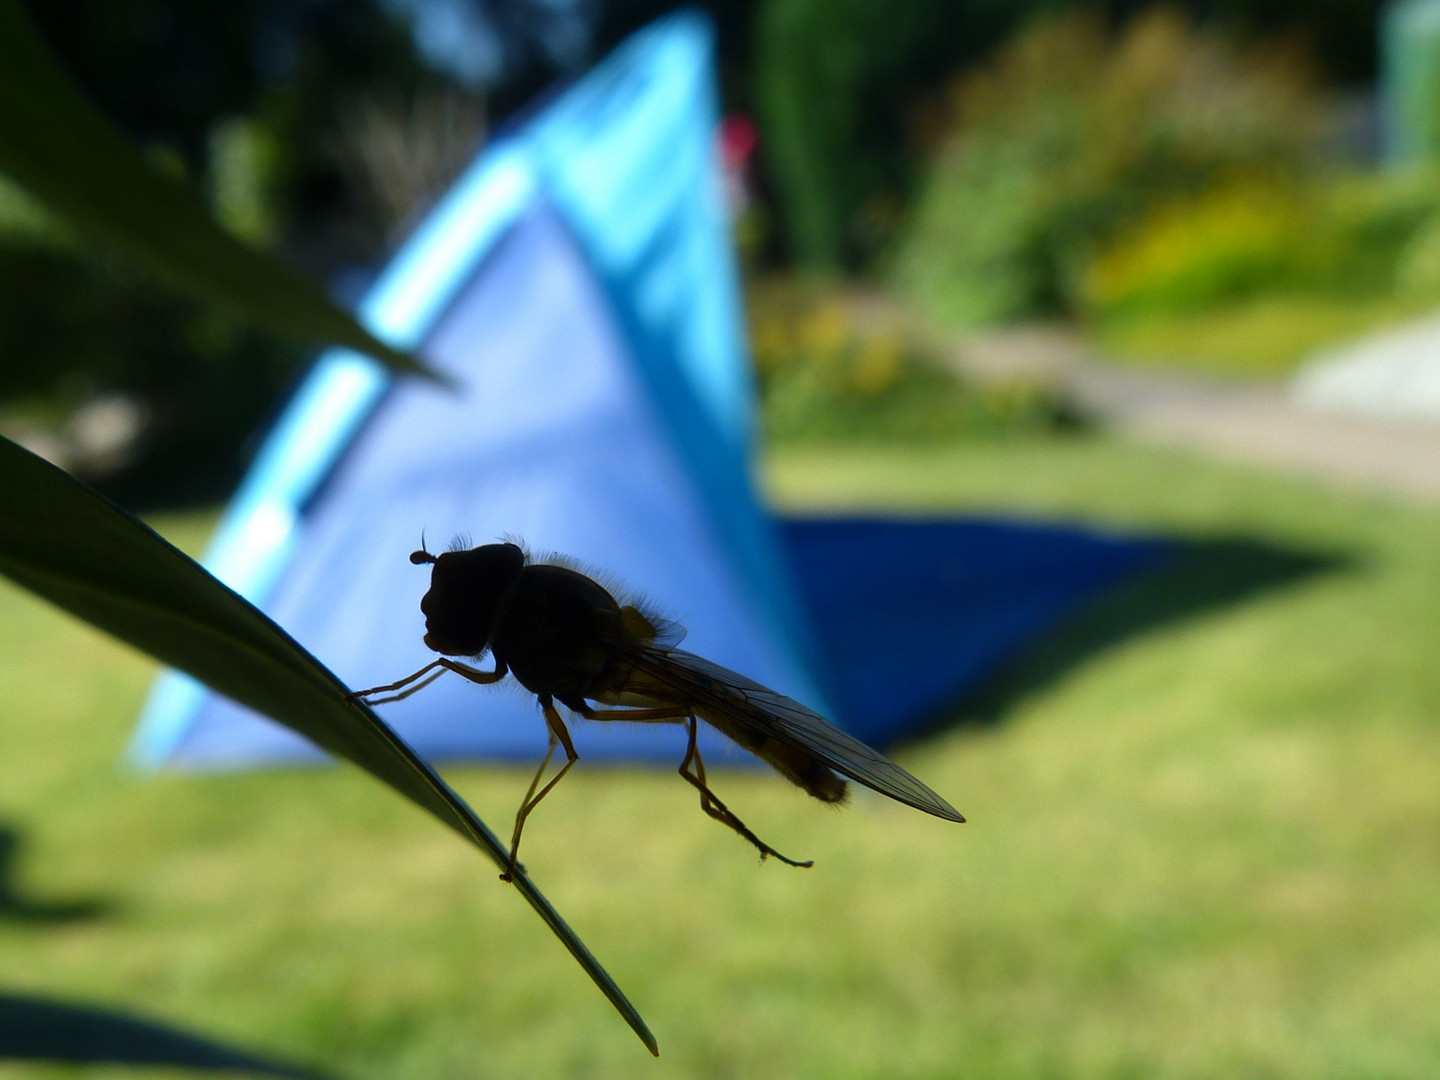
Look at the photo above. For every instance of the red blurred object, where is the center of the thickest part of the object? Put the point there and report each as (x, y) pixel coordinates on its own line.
(738, 136)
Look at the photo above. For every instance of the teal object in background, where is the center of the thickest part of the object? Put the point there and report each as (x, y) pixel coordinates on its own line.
(1410, 82)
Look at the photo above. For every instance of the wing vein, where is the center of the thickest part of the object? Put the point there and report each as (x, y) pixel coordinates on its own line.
(758, 713)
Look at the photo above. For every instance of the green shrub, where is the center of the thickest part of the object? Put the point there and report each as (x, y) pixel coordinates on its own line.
(1417, 272)
(826, 372)
(78, 325)
(1192, 253)
(1074, 130)
(1252, 276)
(1353, 238)
(1263, 337)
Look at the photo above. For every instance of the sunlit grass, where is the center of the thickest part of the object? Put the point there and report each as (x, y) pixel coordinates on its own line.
(1213, 850)
(1265, 338)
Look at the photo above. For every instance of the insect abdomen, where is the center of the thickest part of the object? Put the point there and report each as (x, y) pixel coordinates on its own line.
(801, 769)
(808, 772)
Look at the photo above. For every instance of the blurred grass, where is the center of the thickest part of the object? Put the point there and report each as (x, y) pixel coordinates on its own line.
(1210, 851)
(1267, 337)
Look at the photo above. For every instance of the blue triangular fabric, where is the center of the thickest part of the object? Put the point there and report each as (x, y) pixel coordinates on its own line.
(578, 285)
(556, 438)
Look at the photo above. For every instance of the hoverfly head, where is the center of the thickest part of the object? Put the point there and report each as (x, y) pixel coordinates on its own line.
(465, 591)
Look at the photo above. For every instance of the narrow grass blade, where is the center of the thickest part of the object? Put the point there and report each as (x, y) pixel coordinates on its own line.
(64, 542)
(58, 146)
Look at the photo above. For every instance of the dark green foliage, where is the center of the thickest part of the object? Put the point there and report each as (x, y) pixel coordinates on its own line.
(78, 320)
(840, 85)
(73, 329)
(1341, 32)
(96, 181)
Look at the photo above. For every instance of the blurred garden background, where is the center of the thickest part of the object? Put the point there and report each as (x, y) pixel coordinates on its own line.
(1163, 269)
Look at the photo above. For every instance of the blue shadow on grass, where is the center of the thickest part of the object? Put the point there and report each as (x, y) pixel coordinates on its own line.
(918, 616)
(912, 615)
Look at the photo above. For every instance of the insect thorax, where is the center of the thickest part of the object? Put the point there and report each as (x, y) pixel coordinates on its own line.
(552, 631)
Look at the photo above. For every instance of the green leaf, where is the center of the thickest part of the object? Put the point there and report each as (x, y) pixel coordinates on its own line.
(63, 541)
(58, 146)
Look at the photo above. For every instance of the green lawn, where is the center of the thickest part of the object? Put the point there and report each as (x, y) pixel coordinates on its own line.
(1204, 839)
(1266, 338)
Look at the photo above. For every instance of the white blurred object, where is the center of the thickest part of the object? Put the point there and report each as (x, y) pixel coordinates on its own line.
(104, 430)
(1391, 375)
(98, 438)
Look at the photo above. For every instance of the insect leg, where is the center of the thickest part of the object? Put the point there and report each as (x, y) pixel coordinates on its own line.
(642, 716)
(709, 802)
(360, 695)
(525, 803)
(712, 805)
(397, 697)
(558, 734)
(475, 675)
(465, 671)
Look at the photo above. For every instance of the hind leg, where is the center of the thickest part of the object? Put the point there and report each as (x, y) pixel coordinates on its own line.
(709, 801)
(711, 804)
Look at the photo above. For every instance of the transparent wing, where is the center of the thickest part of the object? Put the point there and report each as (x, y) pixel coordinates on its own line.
(756, 713)
(668, 632)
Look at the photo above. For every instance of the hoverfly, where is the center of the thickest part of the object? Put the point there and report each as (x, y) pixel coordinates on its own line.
(566, 638)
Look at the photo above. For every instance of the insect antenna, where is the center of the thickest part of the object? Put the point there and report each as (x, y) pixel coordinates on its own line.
(421, 556)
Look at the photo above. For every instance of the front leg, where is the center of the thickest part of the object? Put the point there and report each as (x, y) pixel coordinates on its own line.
(475, 675)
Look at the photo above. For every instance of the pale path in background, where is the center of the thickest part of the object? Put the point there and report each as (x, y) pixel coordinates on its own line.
(1254, 423)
